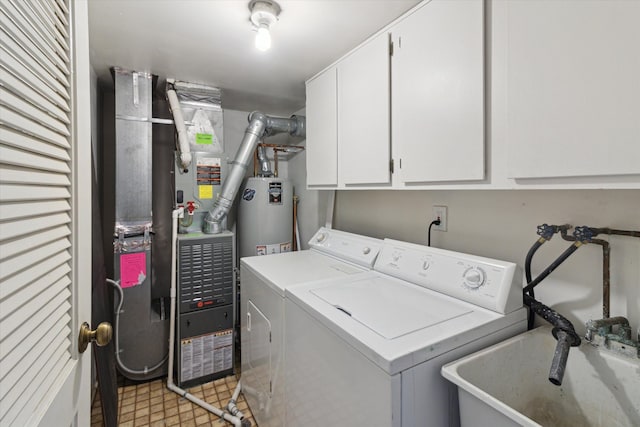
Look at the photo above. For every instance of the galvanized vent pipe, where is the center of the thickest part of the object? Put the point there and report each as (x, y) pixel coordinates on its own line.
(265, 166)
(260, 125)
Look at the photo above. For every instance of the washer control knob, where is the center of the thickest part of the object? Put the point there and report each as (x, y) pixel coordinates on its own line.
(425, 265)
(474, 277)
(366, 250)
(320, 237)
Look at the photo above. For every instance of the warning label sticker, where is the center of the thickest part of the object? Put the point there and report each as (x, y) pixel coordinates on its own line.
(206, 354)
(275, 193)
(133, 269)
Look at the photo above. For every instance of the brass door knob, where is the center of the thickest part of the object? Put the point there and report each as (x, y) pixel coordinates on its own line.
(101, 335)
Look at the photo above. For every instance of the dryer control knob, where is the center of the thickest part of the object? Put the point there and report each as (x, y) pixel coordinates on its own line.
(320, 237)
(474, 277)
(366, 250)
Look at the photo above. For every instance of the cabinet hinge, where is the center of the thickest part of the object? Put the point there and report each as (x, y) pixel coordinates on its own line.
(391, 165)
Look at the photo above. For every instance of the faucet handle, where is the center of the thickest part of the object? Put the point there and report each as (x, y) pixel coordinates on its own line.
(583, 234)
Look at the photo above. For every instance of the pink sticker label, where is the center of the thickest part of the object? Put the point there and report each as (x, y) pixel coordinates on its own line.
(133, 269)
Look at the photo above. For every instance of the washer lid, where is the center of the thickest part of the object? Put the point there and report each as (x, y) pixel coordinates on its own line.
(280, 271)
(390, 310)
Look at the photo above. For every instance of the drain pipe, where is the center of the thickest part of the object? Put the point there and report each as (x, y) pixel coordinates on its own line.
(237, 417)
(260, 125)
(178, 119)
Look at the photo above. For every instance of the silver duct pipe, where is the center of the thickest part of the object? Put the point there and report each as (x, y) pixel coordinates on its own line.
(265, 166)
(260, 125)
(294, 126)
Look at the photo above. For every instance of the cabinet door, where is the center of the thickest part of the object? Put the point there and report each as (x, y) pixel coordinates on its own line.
(438, 93)
(573, 88)
(322, 131)
(363, 114)
(257, 368)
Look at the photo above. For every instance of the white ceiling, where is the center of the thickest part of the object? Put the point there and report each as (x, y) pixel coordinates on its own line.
(212, 42)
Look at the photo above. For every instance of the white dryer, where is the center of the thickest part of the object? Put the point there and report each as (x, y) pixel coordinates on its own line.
(367, 350)
(333, 254)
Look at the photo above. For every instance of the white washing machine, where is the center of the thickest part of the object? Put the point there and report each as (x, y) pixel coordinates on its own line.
(264, 279)
(367, 350)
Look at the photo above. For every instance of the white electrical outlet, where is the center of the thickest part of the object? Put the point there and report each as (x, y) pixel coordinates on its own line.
(439, 212)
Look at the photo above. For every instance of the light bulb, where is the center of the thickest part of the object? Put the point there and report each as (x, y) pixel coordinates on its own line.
(263, 38)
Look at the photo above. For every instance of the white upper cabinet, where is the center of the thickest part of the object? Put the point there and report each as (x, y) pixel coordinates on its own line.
(573, 88)
(438, 93)
(322, 130)
(561, 110)
(424, 104)
(363, 114)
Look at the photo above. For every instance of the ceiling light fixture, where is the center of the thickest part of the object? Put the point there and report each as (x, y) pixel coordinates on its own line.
(264, 13)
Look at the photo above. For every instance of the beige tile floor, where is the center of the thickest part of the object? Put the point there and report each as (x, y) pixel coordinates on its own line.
(152, 404)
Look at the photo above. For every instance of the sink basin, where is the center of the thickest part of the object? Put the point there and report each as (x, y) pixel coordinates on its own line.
(507, 385)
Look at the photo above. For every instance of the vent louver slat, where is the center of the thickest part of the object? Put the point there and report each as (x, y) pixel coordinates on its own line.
(205, 273)
(35, 205)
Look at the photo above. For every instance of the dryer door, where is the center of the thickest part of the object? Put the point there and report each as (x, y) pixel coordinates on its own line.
(257, 371)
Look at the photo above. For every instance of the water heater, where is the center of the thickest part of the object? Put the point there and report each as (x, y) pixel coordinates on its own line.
(265, 216)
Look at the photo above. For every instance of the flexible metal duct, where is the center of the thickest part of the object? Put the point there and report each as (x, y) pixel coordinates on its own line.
(260, 125)
(183, 143)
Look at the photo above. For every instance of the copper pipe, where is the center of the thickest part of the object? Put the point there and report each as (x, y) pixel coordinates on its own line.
(255, 162)
(282, 146)
(275, 162)
(606, 280)
(606, 261)
(606, 276)
(276, 148)
(613, 231)
(294, 244)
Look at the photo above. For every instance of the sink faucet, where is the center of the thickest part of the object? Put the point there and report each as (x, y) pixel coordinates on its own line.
(600, 334)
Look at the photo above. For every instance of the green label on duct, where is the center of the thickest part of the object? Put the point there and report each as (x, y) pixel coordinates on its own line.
(204, 138)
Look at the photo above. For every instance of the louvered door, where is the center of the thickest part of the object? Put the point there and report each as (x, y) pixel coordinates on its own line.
(45, 212)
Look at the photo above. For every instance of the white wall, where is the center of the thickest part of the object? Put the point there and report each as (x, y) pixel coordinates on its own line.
(502, 225)
(312, 204)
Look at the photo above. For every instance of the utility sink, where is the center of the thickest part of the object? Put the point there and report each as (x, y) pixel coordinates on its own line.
(507, 385)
